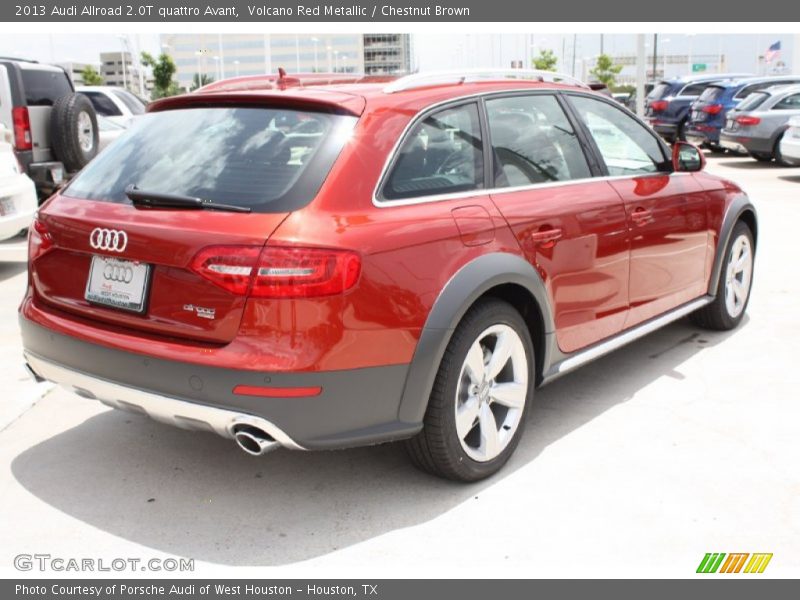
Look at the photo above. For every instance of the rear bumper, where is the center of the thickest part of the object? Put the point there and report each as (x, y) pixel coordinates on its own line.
(352, 408)
(21, 192)
(702, 134)
(741, 143)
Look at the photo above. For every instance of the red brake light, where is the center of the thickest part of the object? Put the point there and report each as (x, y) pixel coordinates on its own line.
(659, 105)
(745, 120)
(712, 109)
(229, 267)
(278, 272)
(22, 128)
(39, 239)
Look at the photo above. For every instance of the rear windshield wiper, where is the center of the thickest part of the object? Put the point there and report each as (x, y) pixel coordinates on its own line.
(162, 200)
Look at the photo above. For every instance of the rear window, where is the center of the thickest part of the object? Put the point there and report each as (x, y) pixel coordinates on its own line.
(103, 105)
(694, 89)
(265, 159)
(711, 93)
(659, 91)
(753, 101)
(43, 88)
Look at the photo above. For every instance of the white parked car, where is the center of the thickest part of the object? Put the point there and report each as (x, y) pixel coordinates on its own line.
(116, 104)
(790, 143)
(18, 201)
(109, 131)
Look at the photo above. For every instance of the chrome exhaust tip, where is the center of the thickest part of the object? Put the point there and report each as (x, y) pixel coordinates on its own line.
(254, 441)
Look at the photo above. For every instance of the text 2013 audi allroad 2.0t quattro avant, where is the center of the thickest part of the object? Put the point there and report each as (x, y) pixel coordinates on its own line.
(318, 262)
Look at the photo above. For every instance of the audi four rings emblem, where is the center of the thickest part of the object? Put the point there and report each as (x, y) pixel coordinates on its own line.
(108, 239)
(119, 273)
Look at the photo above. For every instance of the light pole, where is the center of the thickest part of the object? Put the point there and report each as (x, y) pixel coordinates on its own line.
(316, 43)
(124, 68)
(335, 61)
(344, 63)
(236, 66)
(217, 69)
(330, 64)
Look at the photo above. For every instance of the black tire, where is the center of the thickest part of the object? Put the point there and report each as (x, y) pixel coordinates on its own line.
(70, 120)
(437, 448)
(716, 149)
(761, 157)
(779, 156)
(716, 315)
(680, 135)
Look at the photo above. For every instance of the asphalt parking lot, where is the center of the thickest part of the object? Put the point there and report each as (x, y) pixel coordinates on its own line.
(682, 443)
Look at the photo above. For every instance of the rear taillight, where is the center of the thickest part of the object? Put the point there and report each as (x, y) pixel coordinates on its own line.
(712, 109)
(22, 128)
(278, 272)
(659, 105)
(747, 120)
(39, 239)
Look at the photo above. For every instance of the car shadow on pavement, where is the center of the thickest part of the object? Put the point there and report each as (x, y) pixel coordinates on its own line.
(11, 269)
(747, 163)
(198, 496)
(790, 178)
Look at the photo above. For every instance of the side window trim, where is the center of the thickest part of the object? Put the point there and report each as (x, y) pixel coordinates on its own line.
(665, 153)
(378, 196)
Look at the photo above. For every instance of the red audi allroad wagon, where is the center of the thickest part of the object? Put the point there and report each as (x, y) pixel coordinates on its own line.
(321, 262)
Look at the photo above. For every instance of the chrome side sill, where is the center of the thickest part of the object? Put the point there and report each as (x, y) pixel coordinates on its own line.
(589, 354)
(179, 413)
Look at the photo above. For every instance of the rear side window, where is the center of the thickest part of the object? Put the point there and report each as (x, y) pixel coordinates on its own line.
(627, 147)
(43, 88)
(711, 93)
(789, 103)
(659, 91)
(533, 142)
(265, 159)
(694, 89)
(133, 103)
(753, 101)
(103, 105)
(746, 91)
(443, 154)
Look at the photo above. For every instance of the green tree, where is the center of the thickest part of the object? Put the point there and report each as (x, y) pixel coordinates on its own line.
(90, 76)
(546, 61)
(605, 70)
(163, 70)
(199, 81)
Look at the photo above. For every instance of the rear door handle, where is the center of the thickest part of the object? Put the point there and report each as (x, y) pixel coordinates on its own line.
(546, 235)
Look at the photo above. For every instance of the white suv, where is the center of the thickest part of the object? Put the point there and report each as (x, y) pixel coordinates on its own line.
(54, 129)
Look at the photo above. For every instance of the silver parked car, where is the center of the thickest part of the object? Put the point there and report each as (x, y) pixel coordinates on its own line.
(758, 124)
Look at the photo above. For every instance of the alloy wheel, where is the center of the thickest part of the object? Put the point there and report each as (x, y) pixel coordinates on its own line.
(491, 392)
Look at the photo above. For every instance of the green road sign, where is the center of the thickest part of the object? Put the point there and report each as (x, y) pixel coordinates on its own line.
(698, 67)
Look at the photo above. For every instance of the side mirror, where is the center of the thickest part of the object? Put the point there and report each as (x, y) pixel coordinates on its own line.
(687, 158)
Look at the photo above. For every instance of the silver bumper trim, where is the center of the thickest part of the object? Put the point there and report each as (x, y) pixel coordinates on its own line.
(179, 413)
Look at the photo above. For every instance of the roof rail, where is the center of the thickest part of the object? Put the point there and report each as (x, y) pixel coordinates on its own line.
(18, 59)
(457, 77)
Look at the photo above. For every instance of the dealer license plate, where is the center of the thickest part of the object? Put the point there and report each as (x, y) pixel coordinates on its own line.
(118, 283)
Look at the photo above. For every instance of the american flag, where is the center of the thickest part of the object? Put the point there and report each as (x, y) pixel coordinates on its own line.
(772, 52)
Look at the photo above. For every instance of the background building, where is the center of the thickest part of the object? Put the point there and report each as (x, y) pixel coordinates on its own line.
(75, 70)
(118, 69)
(227, 55)
(386, 53)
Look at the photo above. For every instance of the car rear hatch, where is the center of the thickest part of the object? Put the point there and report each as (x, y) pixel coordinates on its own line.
(708, 105)
(134, 258)
(43, 85)
(655, 103)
